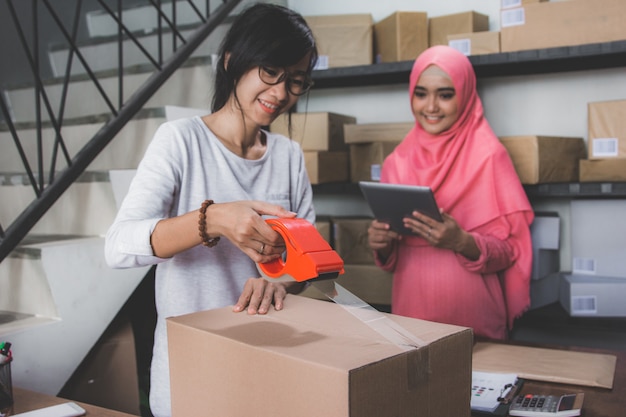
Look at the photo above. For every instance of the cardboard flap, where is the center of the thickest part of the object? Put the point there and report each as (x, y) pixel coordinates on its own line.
(541, 364)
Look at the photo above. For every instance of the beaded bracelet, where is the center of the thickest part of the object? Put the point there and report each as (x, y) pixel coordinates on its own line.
(207, 241)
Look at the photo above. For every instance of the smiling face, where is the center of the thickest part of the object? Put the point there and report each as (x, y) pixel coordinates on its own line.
(262, 103)
(434, 102)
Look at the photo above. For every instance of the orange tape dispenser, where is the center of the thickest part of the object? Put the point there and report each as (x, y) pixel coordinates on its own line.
(308, 255)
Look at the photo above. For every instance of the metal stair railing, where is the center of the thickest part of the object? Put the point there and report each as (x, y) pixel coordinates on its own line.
(49, 189)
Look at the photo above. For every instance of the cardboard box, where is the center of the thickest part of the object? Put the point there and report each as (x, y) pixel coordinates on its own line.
(607, 129)
(312, 359)
(368, 282)
(544, 159)
(562, 23)
(545, 236)
(598, 237)
(478, 43)
(315, 131)
(376, 132)
(351, 239)
(545, 291)
(584, 295)
(401, 36)
(323, 226)
(441, 26)
(366, 160)
(326, 166)
(343, 40)
(598, 170)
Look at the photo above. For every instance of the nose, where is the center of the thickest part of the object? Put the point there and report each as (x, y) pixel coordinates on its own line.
(432, 104)
(280, 91)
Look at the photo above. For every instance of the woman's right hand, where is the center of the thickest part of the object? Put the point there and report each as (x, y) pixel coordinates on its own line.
(381, 238)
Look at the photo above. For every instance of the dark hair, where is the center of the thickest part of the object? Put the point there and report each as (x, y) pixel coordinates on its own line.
(263, 35)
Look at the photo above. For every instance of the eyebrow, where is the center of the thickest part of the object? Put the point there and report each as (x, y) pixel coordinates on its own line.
(442, 89)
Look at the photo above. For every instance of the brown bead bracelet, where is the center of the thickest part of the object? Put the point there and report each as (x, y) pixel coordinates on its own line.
(207, 241)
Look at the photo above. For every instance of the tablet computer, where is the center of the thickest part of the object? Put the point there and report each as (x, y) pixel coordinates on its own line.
(390, 203)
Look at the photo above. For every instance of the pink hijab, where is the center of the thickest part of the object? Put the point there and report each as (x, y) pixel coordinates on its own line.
(468, 168)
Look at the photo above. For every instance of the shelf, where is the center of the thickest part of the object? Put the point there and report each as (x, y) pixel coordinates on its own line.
(536, 61)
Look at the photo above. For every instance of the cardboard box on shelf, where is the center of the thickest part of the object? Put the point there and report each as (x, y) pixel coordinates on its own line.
(545, 291)
(477, 43)
(343, 40)
(368, 282)
(598, 237)
(544, 159)
(315, 131)
(507, 4)
(376, 132)
(401, 36)
(327, 166)
(562, 23)
(595, 296)
(366, 160)
(314, 359)
(323, 226)
(545, 235)
(598, 170)
(351, 239)
(441, 26)
(606, 129)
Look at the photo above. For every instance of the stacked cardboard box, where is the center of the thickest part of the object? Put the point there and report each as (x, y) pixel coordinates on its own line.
(440, 27)
(343, 40)
(315, 359)
(321, 136)
(545, 235)
(544, 159)
(606, 142)
(562, 23)
(477, 43)
(401, 36)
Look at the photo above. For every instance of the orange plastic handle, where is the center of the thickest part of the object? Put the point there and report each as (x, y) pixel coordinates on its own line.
(308, 254)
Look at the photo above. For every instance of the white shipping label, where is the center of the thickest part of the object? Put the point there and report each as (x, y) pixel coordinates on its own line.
(507, 4)
(464, 46)
(584, 305)
(604, 147)
(584, 266)
(512, 17)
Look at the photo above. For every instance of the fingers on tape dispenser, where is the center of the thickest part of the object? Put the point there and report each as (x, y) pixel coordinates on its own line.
(308, 255)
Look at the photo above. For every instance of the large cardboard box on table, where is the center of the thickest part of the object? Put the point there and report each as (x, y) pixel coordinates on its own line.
(327, 166)
(544, 159)
(606, 129)
(441, 26)
(343, 40)
(477, 43)
(312, 359)
(376, 132)
(401, 36)
(562, 23)
(598, 170)
(315, 131)
(366, 160)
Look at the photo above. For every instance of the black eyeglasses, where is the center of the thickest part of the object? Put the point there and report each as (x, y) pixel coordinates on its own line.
(297, 84)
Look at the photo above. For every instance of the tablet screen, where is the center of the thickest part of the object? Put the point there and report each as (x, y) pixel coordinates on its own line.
(390, 203)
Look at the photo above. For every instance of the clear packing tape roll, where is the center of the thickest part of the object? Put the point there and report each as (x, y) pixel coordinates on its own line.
(309, 258)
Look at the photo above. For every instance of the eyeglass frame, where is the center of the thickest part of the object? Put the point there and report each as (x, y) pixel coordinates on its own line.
(288, 78)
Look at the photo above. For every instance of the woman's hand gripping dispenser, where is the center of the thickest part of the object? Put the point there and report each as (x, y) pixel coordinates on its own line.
(308, 255)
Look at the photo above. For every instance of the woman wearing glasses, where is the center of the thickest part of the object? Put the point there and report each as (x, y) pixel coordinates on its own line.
(195, 206)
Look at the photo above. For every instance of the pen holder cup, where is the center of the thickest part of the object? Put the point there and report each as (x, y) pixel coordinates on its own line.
(6, 390)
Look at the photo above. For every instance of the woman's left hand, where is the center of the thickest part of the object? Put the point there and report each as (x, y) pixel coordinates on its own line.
(259, 294)
(445, 235)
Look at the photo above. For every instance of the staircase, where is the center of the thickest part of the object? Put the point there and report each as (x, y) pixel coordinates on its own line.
(57, 295)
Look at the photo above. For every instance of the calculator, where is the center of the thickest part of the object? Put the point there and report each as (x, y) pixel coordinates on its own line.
(530, 405)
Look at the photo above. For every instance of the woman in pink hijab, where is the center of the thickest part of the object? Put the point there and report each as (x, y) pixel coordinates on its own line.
(473, 269)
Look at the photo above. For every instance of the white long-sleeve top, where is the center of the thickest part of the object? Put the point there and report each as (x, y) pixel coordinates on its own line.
(184, 165)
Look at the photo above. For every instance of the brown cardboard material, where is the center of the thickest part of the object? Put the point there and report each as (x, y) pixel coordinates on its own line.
(314, 359)
(343, 40)
(562, 23)
(368, 282)
(315, 131)
(607, 129)
(541, 364)
(545, 159)
(477, 43)
(376, 132)
(441, 26)
(351, 239)
(401, 36)
(507, 4)
(367, 159)
(598, 170)
(323, 227)
(325, 166)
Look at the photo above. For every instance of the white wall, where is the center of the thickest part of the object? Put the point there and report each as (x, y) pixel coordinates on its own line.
(550, 104)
